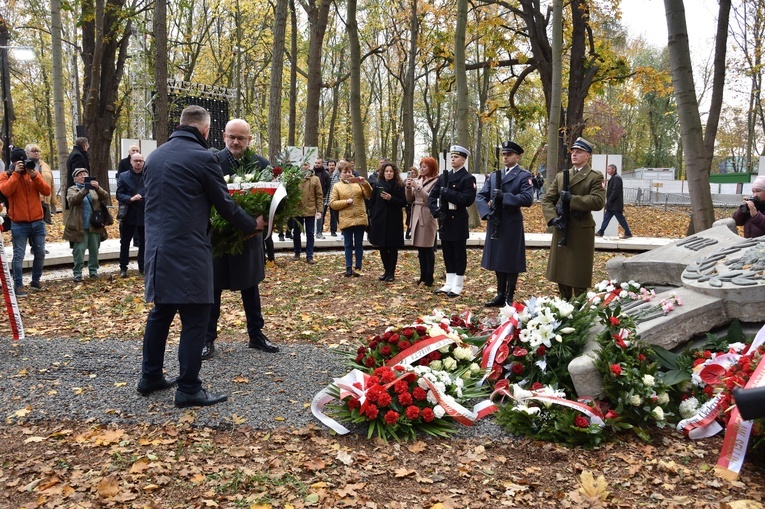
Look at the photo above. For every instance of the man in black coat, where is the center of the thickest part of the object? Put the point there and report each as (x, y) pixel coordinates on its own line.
(614, 204)
(183, 181)
(505, 191)
(448, 202)
(125, 163)
(78, 158)
(244, 271)
(130, 193)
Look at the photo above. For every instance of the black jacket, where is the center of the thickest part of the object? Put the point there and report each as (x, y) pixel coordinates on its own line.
(615, 194)
(387, 216)
(460, 191)
(129, 184)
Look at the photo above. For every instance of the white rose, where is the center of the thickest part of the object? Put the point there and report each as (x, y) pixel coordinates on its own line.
(658, 413)
(636, 400)
(663, 398)
(438, 411)
(648, 380)
(474, 368)
(463, 353)
(237, 180)
(450, 364)
(436, 365)
(445, 349)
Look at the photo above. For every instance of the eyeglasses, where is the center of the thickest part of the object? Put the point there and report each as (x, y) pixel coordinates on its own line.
(237, 138)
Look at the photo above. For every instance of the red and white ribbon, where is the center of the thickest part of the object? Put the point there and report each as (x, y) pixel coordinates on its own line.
(9, 294)
(420, 349)
(496, 340)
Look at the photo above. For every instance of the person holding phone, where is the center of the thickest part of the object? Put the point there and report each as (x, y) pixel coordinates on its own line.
(347, 197)
(84, 196)
(386, 207)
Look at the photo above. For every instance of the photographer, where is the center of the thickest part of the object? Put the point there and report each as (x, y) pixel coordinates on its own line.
(22, 185)
(84, 197)
(750, 212)
(49, 202)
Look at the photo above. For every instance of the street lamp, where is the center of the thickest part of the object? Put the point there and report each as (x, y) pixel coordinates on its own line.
(20, 53)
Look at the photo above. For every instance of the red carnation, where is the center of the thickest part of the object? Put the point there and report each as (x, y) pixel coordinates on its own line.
(536, 386)
(391, 417)
(427, 414)
(709, 391)
(517, 368)
(276, 171)
(419, 394)
(373, 380)
(541, 351)
(614, 320)
(699, 361)
(520, 352)
(403, 344)
(412, 412)
(400, 386)
(370, 361)
(384, 399)
(371, 412)
(408, 332)
(353, 404)
(388, 376)
(581, 421)
(616, 369)
(398, 367)
(385, 350)
(405, 398)
(424, 361)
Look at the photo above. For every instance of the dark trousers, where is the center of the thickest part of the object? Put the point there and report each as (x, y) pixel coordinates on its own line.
(389, 256)
(608, 214)
(127, 233)
(353, 242)
(427, 257)
(320, 222)
(569, 291)
(269, 244)
(334, 217)
(251, 304)
(455, 256)
(194, 318)
(308, 223)
(46, 213)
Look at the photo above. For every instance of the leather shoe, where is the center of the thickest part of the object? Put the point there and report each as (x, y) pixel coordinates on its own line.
(123, 273)
(598, 234)
(261, 342)
(451, 295)
(208, 351)
(499, 301)
(389, 279)
(201, 398)
(146, 386)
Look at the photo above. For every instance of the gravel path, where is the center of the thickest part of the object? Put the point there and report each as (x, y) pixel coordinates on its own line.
(63, 379)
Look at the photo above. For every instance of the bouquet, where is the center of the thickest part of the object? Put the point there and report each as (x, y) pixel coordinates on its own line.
(253, 188)
(397, 402)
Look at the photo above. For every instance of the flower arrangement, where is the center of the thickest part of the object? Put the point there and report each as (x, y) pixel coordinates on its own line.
(398, 401)
(549, 333)
(256, 201)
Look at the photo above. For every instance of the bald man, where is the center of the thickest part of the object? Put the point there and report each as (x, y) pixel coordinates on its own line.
(125, 163)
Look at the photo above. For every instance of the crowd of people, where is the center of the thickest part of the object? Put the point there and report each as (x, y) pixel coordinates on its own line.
(165, 202)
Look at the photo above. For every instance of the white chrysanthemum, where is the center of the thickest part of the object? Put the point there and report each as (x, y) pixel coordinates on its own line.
(438, 411)
(431, 398)
(440, 387)
(696, 379)
(595, 300)
(648, 380)
(458, 392)
(663, 398)
(450, 364)
(436, 364)
(459, 383)
(421, 383)
(636, 400)
(689, 407)
(658, 413)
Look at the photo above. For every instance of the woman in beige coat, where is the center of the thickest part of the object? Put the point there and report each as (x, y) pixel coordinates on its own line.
(347, 197)
(424, 226)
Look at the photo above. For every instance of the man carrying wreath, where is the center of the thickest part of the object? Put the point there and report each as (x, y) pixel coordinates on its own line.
(243, 271)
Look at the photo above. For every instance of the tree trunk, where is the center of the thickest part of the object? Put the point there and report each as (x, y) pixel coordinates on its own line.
(697, 168)
(161, 107)
(553, 126)
(293, 76)
(407, 104)
(359, 144)
(318, 16)
(275, 91)
(460, 74)
(8, 116)
(718, 81)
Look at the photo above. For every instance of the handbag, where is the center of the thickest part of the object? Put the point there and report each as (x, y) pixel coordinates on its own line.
(101, 217)
(122, 212)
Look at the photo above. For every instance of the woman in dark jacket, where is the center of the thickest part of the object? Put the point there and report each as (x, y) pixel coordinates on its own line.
(751, 213)
(387, 215)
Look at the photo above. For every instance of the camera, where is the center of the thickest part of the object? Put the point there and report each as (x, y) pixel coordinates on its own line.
(29, 164)
(754, 199)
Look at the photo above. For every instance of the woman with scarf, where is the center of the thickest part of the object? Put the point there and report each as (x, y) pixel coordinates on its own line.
(78, 230)
(387, 217)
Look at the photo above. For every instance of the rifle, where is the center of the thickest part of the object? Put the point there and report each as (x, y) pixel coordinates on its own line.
(495, 214)
(565, 209)
(442, 207)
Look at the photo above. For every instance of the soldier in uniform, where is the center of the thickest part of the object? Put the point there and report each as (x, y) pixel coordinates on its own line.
(503, 194)
(571, 265)
(448, 201)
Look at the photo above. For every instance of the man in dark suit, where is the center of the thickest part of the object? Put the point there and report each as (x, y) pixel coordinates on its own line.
(614, 203)
(183, 180)
(78, 158)
(504, 193)
(448, 201)
(571, 265)
(244, 271)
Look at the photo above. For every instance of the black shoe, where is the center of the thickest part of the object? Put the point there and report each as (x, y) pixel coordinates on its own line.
(36, 285)
(383, 277)
(598, 234)
(451, 295)
(296, 257)
(261, 342)
(147, 386)
(93, 276)
(123, 273)
(281, 237)
(208, 351)
(320, 236)
(389, 279)
(333, 234)
(202, 398)
(499, 301)
(310, 261)
(288, 235)
(77, 279)
(348, 272)
(356, 274)
(428, 283)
